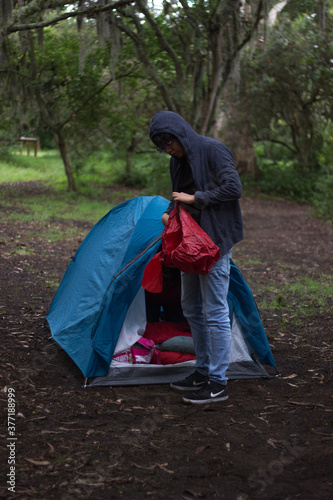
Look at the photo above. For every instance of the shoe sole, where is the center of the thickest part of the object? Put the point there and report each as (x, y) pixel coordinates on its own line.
(204, 401)
(180, 388)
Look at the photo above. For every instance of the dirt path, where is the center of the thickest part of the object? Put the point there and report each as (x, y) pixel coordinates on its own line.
(271, 440)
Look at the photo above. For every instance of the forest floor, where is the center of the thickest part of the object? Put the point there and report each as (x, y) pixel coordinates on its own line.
(272, 439)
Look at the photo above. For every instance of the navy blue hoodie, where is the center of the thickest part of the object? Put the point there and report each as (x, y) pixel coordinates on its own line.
(214, 174)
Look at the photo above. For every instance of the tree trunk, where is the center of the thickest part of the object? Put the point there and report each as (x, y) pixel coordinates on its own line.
(245, 158)
(240, 141)
(234, 130)
(44, 115)
(322, 15)
(129, 153)
(60, 140)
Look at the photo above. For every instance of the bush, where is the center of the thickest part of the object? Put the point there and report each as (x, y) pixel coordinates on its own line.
(323, 199)
(136, 178)
(7, 136)
(159, 181)
(283, 178)
(149, 171)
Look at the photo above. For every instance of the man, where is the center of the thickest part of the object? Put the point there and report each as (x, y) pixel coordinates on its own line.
(206, 183)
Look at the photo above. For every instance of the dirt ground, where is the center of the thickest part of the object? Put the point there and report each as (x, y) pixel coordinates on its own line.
(272, 439)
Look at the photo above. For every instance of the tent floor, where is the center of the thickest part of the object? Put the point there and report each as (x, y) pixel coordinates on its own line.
(124, 374)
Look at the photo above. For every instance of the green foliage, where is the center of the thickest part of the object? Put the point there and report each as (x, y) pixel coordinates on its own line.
(99, 175)
(323, 199)
(7, 135)
(287, 88)
(102, 96)
(310, 296)
(46, 138)
(180, 55)
(149, 172)
(94, 170)
(282, 177)
(135, 178)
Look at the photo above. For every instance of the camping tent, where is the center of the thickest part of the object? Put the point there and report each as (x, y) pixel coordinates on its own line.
(99, 308)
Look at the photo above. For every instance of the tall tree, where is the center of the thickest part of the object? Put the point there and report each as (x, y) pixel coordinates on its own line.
(189, 49)
(288, 85)
(57, 89)
(186, 52)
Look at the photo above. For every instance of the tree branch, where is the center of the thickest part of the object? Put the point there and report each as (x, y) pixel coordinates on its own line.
(254, 25)
(147, 63)
(164, 44)
(75, 112)
(8, 70)
(276, 141)
(89, 12)
(37, 6)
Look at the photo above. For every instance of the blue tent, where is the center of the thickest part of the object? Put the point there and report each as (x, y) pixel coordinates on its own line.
(99, 308)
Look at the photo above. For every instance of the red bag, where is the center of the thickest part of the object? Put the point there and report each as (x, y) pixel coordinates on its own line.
(186, 245)
(152, 279)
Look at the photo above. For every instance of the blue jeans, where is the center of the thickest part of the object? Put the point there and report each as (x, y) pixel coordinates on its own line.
(205, 306)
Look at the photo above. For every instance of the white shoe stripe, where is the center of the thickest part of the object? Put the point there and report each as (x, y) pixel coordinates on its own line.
(212, 395)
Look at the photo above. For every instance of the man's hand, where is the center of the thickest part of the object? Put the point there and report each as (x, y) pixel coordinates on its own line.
(165, 218)
(183, 198)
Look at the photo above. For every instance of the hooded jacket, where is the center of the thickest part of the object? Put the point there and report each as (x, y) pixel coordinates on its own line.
(215, 176)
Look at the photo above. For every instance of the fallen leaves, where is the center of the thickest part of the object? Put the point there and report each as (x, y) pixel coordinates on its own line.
(234, 422)
(181, 445)
(153, 467)
(201, 449)
(37, 462)
(271, 443)
(301, 403)
(52, 449)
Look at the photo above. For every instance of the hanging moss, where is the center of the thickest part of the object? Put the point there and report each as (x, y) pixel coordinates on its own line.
(6, 12)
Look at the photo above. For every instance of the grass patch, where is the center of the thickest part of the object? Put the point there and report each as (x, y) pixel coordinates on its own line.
(305, 297)
(21, 251)
(42, 208)
(54, 233)
(252, 261)
(46, 166)
(54, 284)
(35, 189)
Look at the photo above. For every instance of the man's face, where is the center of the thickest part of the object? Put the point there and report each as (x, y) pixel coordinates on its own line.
(174, 148)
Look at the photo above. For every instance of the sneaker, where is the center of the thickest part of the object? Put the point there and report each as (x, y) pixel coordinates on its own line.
(193, 381)
(211, 392)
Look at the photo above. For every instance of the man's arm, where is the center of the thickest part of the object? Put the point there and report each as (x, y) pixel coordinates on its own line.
(225, 184)
(165, 218)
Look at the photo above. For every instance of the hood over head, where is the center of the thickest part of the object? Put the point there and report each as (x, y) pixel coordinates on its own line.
(168, 122)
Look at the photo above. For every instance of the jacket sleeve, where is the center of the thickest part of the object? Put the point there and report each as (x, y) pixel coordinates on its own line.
(170, 208)
(222, 180)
